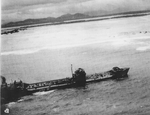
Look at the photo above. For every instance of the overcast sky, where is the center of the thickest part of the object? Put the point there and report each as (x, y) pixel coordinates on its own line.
(16, 10)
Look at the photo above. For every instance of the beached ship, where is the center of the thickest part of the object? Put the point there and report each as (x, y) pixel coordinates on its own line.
(79, 78)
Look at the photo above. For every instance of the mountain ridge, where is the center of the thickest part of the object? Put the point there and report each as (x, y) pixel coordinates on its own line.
(47, 20)
(61, 19)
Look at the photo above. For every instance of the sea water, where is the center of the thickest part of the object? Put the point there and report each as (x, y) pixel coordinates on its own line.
(44, 53)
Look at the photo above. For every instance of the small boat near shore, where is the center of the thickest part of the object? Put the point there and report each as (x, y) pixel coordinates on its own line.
(16, 90)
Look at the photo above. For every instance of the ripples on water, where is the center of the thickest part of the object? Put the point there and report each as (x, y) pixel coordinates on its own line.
(124, 97)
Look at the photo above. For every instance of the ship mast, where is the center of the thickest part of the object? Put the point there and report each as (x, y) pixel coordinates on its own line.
(71, 70)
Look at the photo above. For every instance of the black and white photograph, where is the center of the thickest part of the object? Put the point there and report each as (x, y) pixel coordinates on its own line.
(75, 57)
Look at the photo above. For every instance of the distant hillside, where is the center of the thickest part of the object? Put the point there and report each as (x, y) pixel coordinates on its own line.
(67, 17)
(46, 20)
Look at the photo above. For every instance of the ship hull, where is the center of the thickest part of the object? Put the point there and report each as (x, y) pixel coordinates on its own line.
(14, 92)
(68, 82)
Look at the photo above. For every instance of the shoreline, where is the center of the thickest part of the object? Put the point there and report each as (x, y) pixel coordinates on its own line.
(20, 28)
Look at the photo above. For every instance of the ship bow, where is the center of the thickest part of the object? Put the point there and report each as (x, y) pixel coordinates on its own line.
(125, 72)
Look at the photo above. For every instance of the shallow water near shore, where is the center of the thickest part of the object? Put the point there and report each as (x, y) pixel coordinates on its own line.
(45, 53)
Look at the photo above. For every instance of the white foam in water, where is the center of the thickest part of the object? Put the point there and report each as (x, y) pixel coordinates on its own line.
(20, 100)
(120, 43)
(143, 48)
(10, 104)
(115, 42)
(43, 92)
(22, 52)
